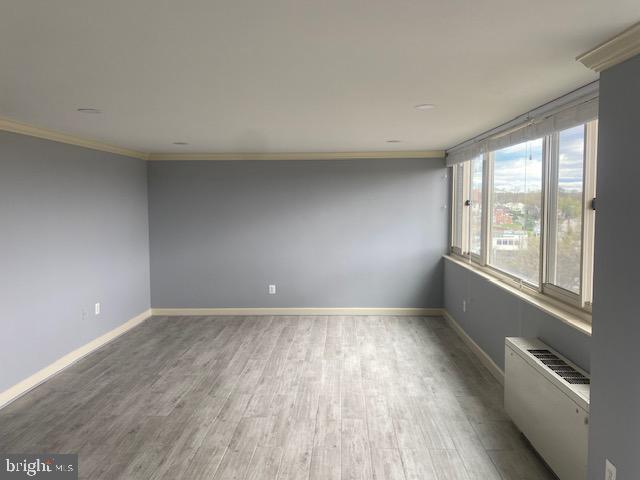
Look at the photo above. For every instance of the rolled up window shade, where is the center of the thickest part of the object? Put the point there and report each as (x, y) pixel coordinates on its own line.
(565, 112)
(467, 153)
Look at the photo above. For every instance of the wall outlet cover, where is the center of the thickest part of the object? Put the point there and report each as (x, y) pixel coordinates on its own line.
(272, 289)
(97, 310)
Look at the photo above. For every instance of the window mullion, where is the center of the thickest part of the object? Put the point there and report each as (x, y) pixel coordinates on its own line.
(550, 204)
(454, 200)
(466, 229)
(486, 214)
(588, 223)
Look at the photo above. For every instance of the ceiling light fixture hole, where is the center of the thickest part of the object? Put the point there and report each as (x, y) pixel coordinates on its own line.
(425, 106)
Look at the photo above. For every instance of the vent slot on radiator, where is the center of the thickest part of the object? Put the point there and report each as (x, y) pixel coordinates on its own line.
(560, 367)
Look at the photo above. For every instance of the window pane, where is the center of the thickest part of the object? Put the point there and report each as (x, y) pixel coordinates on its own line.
(475, 215)
(458, 205)
(566, 229)
(515, 210)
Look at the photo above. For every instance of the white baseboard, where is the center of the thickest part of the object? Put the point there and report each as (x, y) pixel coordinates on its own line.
(484, 358)
(39, 377)
(417, 312)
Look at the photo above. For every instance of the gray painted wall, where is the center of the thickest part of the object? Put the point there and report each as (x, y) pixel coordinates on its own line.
(493, 314)
(74, 231)
(348, 233)
(615, 389)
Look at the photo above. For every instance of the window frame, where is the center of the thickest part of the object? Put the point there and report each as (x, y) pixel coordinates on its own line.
(556, 295)
(463, 248)
(519, 281)
(589, 212)
(459, 170)
(478, 258)
(583, 298)
(551, 173)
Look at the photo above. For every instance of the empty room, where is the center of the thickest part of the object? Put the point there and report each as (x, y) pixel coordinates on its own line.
(319, 240)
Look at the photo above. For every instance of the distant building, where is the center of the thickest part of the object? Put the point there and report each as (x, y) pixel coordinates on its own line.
(515, 206)
(510, 241)
(501, 216)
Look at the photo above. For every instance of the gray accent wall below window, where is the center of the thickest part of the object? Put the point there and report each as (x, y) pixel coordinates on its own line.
(492, 313)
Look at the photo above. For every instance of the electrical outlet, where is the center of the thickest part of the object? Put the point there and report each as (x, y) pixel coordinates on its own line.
(272, 289)
(464, 305)
(609, 470)
(97, 310)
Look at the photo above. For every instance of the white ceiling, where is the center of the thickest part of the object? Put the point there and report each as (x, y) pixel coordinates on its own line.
(292, 75)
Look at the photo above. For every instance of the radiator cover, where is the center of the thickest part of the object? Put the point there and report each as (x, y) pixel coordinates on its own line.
(552, 413)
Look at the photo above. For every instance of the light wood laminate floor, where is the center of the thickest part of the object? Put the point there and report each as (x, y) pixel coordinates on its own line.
(276, 397)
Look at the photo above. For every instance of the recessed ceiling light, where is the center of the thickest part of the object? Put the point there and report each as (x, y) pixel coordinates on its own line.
(89, 110)
(180, 143)
(425, 106)
(394, 141)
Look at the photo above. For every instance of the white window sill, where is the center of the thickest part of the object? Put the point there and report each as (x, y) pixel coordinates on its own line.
(573, 317)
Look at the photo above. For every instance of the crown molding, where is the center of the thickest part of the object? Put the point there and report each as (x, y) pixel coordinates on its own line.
(297, 156)
(24, 129)
(614, 51)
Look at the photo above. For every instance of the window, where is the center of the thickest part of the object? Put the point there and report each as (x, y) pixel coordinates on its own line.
(524, 211)
(459, 220)
(565, 209)
(570, 224)
(467, 207)
(475, 212)
(516, 210)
